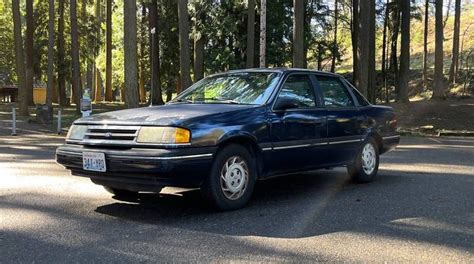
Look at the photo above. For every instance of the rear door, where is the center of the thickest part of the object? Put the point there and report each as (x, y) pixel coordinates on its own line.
(298, 133)
(344, 119)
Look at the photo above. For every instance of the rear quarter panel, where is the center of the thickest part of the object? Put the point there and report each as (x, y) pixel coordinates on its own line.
(380, 124)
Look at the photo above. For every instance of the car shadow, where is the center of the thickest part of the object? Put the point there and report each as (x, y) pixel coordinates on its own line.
(317, 203)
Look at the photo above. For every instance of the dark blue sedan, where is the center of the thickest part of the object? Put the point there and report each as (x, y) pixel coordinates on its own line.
(229, 130)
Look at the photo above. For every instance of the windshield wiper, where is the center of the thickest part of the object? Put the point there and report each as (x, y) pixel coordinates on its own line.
(187, 101)
(222, 100)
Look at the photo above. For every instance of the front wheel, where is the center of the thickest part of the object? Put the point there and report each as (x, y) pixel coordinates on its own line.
(232, 179)
(366, 164)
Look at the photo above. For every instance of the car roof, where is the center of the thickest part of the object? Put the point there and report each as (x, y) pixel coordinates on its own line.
(285, 70)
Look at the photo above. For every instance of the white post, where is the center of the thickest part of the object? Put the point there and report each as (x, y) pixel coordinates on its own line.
(59, 122)
(13, 121)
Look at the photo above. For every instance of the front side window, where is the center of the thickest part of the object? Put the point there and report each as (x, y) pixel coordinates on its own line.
(238, 88)
(299, 89)
(334, 93)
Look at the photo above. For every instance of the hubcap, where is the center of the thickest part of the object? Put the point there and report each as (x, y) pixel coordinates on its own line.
(234, 177)
(369, 158)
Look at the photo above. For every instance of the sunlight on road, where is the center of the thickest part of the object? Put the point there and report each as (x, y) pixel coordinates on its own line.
(390, 249)
(423, 224)
(312, 210)
(71, 186)
(31, 219)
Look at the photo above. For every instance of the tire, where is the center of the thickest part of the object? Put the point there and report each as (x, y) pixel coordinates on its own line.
(121, 194)
(366, 164)
(230, 184)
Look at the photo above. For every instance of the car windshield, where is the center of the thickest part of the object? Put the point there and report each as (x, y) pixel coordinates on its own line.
(233, 88)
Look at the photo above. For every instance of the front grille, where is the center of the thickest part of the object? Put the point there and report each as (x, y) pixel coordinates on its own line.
(111, 134)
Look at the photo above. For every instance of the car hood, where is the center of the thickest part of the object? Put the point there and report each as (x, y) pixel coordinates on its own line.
(165, 115)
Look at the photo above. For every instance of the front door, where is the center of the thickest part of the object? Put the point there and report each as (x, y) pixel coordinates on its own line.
(298, 134)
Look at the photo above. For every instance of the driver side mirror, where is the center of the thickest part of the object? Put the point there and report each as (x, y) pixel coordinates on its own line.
(286, 102)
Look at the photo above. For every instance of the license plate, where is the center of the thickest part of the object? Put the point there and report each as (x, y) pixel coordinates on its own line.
(93, 161)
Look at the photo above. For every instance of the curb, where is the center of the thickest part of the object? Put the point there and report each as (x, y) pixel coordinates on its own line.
(437, 133)
(453, 133)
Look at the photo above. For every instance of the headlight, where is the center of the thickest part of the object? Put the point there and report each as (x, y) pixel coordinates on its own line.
(163, 135)
(76, 132)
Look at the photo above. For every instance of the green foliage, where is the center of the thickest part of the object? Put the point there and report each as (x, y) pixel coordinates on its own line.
(279, 33)
(40, 43)
(7, 54)
(223, 25)
(226, 33)
(168, 38)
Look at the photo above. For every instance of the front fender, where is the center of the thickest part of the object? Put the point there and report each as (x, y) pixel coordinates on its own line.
(234, 134)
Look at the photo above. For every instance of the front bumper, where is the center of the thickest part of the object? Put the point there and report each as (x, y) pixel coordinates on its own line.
(142, 169)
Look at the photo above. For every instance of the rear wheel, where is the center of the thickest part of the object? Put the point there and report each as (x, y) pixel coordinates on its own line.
(366, 164)
(232, 179)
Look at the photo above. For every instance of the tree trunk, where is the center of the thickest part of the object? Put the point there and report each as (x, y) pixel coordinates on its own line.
(402, 95)
(334, 43)
(448, 11)
(19, 59)
(76, 66)
(88, 69)
(108, 54)
(438, 88)
(320, 57)
(394, 40)
(98, 86)
(308, 16)
(263, 32)
(355, 39)
(169, 92)
(298, 34)
(130, 53)
(96, 79)
(453, 69)
(384, 50)
(425, 46)
(250, 34)
(156, 96)
(61, 67)
(198, 57)
(30, 31)
(143, 38)
(371, 85)
(184, 53)
(49, 91)
(363, 50)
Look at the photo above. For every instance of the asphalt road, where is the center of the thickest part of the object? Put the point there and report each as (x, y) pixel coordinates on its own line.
(421, 209)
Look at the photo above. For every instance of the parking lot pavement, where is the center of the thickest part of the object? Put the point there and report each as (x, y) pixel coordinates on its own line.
(421, 209)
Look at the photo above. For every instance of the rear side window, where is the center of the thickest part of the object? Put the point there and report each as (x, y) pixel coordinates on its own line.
(299, 87)
(360, 98)
(362, 101)
(334, 92)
